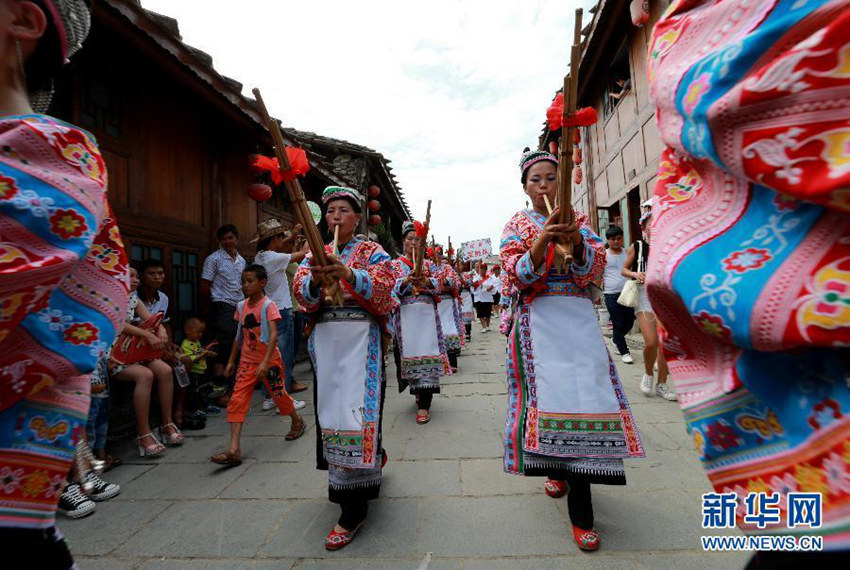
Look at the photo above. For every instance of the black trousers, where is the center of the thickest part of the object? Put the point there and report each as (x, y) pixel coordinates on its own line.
(424, 400)
(623, 319)
(353, 513)
(453, 359)
(41, 548)
(468, 327)
(579, 499)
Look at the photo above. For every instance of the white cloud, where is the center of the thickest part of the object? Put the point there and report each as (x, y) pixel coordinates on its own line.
(451, 92)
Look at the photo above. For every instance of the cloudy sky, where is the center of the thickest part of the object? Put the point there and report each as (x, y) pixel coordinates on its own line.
(451, 92)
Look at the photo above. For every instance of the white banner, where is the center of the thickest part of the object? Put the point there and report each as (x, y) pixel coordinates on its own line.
(476, 249)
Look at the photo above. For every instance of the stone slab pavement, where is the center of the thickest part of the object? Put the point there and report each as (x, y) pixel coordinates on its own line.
(445, 503)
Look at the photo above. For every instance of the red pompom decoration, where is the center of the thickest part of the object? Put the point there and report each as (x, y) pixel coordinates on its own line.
(430, 252)
(297, 159)
(583, 117)
(374, 191)
(259, 192)
(374, 220)
(578, 175)
(299, 163)
(553, 147)
(577, 155)
(373, 205)
(555, 112)
(420, 229)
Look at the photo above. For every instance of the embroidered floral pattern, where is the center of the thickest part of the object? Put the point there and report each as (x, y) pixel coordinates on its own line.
(55, 319)
(81, 333)
(68, 224)
(713, 325)
(696, 90)
(8, 188)
(837, 474)
(105, 257)
(722, 436)
(827, 304)
(747, 260)
(811, 480)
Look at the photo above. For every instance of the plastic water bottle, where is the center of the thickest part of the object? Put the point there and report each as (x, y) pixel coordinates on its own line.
(182, 375)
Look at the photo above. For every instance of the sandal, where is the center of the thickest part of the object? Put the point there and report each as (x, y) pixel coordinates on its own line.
(175, 438)
(150, 450)
(111, 462)
(296, 431)
(423, 419)
(227, 458)
(336, 540)
(586, 539)
(555, 489)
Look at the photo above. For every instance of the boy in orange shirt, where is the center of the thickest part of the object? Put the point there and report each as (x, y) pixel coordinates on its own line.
(260, 360)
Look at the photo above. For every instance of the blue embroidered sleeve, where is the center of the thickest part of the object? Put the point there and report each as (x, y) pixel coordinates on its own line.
(589, 254)
(378, 256)
(525, 270)
(363, 282)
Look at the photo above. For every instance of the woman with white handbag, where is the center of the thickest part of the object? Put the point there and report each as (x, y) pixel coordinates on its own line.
(634, 295)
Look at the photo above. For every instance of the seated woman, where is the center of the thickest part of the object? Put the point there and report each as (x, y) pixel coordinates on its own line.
(143, 373)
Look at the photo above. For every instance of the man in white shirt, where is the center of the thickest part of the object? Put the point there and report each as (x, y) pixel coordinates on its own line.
(272, 241)
(487, 286)
(221, 283)
(622, 318)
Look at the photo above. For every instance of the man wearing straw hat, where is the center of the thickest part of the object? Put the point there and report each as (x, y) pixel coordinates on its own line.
(272, 239)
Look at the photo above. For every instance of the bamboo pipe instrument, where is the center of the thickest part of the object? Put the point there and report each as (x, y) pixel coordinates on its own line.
(420, 249)
(559, 248)
(330, 287)
(565, 148)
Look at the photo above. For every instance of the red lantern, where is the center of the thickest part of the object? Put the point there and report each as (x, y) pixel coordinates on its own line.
(576, 136)
(577, 155)
(639, 10)
(374, 191)
(374, 220)
(373, 205)
(553, 147)
(578, 175)
(260, 192)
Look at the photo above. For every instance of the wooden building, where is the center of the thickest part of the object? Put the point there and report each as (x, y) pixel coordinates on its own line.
(621, 151)
(176, 136)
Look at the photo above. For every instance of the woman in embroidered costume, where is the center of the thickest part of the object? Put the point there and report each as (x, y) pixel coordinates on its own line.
(568, 417)
(347, 347)
(420, 349)
(68, 297)
(467, 307)
(450, 320)
(750, 265)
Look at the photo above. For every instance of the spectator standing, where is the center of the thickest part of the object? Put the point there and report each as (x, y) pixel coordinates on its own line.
(622, 318)
(271, 240)
(221, 284)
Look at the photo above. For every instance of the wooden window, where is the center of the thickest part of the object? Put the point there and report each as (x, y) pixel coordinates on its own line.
(100, 105)
(184, 273)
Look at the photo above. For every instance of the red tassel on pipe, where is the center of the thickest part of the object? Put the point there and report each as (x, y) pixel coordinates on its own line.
(583, 117)
(420, 229)
(555, 112)
(297, 159)
(577, 155)
(576, 136)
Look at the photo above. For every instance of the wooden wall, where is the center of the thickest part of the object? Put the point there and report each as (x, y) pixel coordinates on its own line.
(622, 150)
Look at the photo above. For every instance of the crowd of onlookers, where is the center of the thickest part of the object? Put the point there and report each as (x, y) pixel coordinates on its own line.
(189, 379)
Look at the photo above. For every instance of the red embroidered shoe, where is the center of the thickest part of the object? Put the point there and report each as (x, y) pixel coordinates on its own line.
(336, 540)
(385, 459)
(555, 489)
(586, 539)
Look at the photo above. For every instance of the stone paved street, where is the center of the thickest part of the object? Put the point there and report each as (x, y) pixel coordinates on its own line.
(445, 501)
